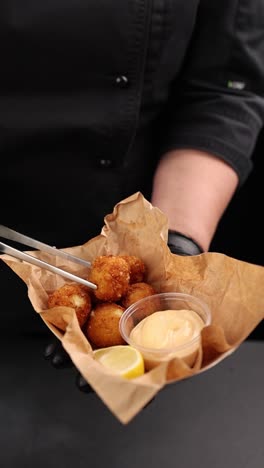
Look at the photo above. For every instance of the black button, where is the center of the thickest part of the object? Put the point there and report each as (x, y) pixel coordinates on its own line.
(122, 81)
(106, 162)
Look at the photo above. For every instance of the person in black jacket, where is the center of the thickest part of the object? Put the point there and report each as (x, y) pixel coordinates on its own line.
(96, 103)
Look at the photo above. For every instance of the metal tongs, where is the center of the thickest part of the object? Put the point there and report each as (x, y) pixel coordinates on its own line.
(7, 233)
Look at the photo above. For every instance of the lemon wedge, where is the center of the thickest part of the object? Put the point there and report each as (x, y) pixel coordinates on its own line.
(123, 360)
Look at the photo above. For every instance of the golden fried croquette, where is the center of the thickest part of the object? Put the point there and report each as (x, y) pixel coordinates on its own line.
(137, 268)
(73, 295)
(136, 292)
(102, 327)
(111, 274)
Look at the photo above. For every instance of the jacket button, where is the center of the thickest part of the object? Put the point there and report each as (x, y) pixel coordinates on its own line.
(105, 162)
(122, 81)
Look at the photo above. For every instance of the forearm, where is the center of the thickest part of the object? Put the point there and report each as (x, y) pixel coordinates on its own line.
(193, 188)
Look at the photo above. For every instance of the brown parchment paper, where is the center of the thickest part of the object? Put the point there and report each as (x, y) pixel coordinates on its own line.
(233, 290)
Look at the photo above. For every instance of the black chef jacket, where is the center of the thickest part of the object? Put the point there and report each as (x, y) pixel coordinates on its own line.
(93, 93)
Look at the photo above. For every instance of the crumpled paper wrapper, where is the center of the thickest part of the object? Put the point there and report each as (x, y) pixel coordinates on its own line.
(232, 289)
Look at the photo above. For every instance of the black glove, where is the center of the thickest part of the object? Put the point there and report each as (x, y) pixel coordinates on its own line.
(182, 245)
(59, 358)
(54, 352)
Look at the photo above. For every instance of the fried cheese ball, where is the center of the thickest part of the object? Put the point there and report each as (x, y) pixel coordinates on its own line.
(136, 292)
(137, 268)
(102, 327)
(111, 274)
(73, 295)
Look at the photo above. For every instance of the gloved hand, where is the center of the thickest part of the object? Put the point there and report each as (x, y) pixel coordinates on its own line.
(54, 352)
(59, 358)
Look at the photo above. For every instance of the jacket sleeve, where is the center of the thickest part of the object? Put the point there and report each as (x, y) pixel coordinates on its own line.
(217, 104)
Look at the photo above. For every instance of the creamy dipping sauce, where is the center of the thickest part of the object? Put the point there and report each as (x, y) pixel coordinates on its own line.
(169, 329)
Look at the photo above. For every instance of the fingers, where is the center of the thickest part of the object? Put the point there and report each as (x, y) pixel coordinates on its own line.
(56, 354)
(82, 385)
